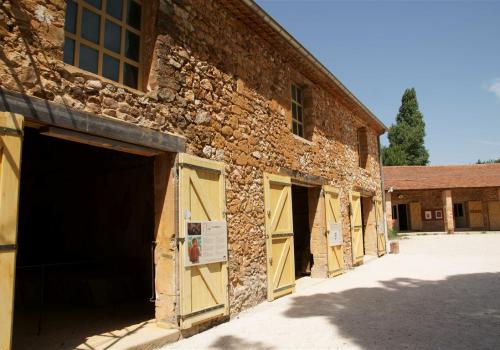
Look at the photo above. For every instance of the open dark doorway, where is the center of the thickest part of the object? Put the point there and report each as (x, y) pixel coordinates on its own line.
(403, 217)
(459, 215)
(302, 232)
(86, 227)
(364, 222)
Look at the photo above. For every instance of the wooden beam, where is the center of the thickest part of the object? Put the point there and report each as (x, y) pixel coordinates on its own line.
(98, 141)
(302, 178)
(62, 116)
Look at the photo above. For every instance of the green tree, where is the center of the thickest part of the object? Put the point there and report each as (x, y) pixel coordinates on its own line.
(406, 137)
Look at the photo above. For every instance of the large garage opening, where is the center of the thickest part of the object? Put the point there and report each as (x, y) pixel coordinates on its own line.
(302, 231)
(85, 235)
(403, 224)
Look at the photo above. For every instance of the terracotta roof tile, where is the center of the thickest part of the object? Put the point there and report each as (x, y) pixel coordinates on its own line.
(449, 176)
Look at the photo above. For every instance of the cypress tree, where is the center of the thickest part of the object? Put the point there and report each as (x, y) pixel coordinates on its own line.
(406, 137)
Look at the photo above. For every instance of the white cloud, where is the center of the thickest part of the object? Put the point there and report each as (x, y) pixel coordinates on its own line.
(486, 142)
(495, 88)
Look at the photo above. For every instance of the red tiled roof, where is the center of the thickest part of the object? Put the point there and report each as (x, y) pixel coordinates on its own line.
(448, 176)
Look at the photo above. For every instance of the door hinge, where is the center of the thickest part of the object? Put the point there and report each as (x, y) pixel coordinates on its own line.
(8, 247)
(10, 131)
(270, 260)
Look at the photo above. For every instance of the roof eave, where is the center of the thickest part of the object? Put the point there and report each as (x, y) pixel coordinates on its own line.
(382, 128)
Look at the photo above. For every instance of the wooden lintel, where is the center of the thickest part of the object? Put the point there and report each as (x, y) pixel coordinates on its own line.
(59, 115)
(363, 192)
(303, 179)
(97, 141)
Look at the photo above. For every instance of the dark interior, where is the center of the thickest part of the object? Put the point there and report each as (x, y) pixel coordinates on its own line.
(302, 231)
(86, 223)
(363, 222)
(403, 217)
(459, 215)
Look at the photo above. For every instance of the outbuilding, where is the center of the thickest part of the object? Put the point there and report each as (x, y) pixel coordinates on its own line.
(443, 198)
(175, 161)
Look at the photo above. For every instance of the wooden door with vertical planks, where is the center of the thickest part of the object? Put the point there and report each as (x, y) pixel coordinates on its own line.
(203, 288)
(333, 216)
(356, 228)
(11, 139)
(279, 231)
(379, 216)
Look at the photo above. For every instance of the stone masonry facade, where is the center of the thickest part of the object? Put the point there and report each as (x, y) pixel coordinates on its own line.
(213, 80)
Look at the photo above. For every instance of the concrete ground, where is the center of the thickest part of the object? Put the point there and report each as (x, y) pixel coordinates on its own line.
(441, 292)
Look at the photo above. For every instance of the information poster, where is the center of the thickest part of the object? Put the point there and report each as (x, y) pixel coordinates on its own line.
(335, 235)
(206, 242)
(381, 227)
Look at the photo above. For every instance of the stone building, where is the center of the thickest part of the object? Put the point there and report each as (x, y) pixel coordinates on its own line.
(443, 198)
(134, 118)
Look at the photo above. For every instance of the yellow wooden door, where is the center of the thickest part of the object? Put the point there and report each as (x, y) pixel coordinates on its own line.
(476, 214)
(279, 231)
(379, 216)
(203, 288)
(356, 229)
(416, 216)
(333, 216)
(494, 215)
(11, 127)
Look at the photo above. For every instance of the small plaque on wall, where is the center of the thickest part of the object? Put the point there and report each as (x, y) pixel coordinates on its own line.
(428, 215)
(438, 214)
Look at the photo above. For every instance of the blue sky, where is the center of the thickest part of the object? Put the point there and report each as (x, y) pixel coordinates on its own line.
(448, 50)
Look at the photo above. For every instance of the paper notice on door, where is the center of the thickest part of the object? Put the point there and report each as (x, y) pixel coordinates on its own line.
(381, 227)
(206, 242)
(335, 234)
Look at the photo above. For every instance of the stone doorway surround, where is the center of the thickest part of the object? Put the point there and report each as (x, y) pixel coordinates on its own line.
(317, 219)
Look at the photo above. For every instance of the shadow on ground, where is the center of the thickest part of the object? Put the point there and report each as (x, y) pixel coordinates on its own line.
(460, 312)
(229, 342)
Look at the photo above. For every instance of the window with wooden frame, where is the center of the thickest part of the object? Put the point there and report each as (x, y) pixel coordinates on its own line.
(297, 110)
(104, 37)
(362, 147)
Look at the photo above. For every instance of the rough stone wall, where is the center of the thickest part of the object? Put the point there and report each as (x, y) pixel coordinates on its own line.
(216, 82)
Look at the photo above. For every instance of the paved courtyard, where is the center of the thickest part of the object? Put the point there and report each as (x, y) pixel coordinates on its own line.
(441, 292)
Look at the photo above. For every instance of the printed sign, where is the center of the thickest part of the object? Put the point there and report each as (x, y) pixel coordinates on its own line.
(428, 215)
(335, 235)
(381, 226)
(438, 214)
(206, 242)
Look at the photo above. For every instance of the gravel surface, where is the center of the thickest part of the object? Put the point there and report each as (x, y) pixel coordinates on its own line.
(441, 292)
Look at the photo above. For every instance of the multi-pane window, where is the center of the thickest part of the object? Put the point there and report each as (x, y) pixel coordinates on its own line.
(362, 147)
(297, 111)
(104, 37)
